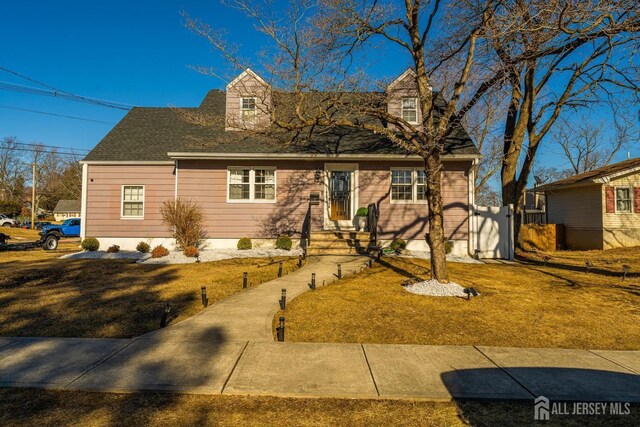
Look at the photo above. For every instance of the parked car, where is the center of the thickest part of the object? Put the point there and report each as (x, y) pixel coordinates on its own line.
(5, 221)
(69, 228)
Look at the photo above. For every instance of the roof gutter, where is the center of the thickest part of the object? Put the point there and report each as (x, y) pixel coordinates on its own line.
(311, 157)
(127, 162)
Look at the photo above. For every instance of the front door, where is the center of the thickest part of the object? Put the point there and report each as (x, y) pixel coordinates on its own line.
(340, 195)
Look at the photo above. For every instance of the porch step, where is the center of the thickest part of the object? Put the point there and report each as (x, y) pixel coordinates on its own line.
(334, 251)
(324, 236)
(339, 243)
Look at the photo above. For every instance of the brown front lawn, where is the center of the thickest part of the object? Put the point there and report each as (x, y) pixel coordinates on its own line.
(41, 295)
(604, 262)
(23, 407)
(520, 306)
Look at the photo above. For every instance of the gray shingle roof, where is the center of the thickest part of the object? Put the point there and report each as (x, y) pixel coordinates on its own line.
(589, 177)
(148, 134)
(67, 206)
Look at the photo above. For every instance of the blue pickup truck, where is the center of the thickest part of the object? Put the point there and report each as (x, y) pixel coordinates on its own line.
(50, 234)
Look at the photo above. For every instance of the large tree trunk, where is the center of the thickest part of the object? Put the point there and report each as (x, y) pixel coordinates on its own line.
(436, 238)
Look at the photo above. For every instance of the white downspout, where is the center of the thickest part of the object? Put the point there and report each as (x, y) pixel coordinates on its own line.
(471, 241)
(175, 191)
(83, 201)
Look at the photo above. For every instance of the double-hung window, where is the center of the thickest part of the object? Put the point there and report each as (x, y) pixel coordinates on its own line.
(408, 185)
(410, 109)
(248, 108)
(623, 199)
(132, 201)
(251, 184)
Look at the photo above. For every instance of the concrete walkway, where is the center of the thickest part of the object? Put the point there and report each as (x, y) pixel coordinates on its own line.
(248, 315)
(229, 349)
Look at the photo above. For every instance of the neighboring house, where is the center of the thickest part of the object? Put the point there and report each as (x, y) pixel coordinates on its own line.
(67, 209)
(599, 209)
(255, 187)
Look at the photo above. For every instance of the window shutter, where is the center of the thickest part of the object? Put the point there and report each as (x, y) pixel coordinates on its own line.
(636, 199)
(610, 198)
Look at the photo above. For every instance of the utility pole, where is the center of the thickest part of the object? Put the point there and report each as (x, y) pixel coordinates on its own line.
(33, 196)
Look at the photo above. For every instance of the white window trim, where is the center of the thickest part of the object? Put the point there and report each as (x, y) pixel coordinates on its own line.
(631, 199)
(417, 121)
(144, 196)
(252, 184)
(255, 103)
(414, 187)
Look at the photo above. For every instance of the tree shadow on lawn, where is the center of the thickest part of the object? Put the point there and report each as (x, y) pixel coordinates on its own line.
(589, 280)
(113, 298)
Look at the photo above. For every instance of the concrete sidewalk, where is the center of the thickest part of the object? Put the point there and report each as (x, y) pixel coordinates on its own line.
(373, 371)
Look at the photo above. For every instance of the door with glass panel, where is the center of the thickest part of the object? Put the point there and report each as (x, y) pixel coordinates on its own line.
(340, 195)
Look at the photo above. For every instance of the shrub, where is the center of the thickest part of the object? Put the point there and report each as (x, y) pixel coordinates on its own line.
(398, 244)
(143, 248)
(283, 242)
(186, 222)
(10, 208)
(362, 212)
(113, 249)
(244, 243)
(159, 251)
(190, 251)
(448, 247)
(90, 244)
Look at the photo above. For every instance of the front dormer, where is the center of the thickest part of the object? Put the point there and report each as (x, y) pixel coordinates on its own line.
(403, 98)
(248, 104)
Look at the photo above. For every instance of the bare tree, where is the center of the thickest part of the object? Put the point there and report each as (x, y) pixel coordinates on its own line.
(12, 170)
(311, 63)
(484, 125)
(588, 145)
(564, 55)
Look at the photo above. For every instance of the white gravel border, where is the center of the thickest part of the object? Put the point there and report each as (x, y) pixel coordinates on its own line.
(206, 255)
(427, 255)
(104, 255)
(176, 257)
(434, 288)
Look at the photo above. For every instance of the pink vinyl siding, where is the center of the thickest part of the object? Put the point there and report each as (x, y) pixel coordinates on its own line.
(409, 220)
(205, 181)
(104, 199)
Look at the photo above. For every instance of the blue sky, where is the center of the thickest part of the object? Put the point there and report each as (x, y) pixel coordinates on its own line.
(132, 52)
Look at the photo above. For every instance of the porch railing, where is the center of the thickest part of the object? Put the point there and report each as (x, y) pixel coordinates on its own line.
(306, 230)
(372, 222)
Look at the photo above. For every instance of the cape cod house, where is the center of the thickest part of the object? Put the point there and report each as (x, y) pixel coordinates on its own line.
(255, 187)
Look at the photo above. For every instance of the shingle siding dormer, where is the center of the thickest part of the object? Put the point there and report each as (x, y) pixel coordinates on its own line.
(403, 98)
(248, 102)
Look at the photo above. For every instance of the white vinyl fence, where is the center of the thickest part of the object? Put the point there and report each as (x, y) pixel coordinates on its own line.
(492, 232)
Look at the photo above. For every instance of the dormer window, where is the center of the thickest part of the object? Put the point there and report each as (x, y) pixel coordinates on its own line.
(248, 108)
(410, 110)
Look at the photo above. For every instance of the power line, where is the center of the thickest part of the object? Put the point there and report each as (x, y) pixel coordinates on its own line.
(34, 145)
(15, 73)
(53, 91)
(33, 150)
(62, 95)
(10, 107)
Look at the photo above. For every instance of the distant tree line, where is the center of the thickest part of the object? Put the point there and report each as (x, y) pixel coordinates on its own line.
(58, 176)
